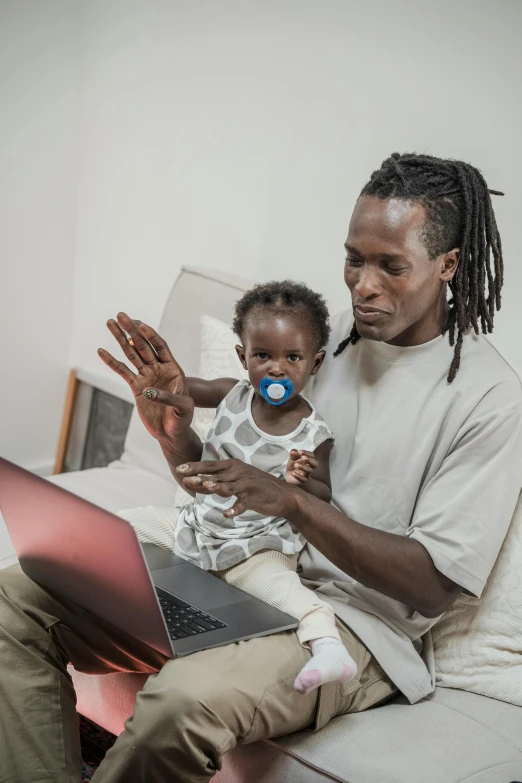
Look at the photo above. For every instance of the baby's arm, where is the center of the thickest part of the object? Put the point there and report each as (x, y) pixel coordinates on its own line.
(311, 471)
(209, 394)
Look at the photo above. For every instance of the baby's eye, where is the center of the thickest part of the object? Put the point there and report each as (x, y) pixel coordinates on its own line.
(261, 355)
(294, 357)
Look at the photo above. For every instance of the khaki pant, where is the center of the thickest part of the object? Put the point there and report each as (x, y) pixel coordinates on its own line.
(190, 712)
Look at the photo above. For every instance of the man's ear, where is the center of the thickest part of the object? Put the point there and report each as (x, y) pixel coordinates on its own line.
(318, 360)
(241, 354)
(449, 264)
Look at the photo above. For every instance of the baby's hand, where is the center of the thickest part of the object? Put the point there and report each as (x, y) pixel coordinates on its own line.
(300, 466)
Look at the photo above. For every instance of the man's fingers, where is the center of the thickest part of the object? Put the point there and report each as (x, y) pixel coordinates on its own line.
(158, 343)
(141, 345)
(238, 508)
(207, 467)
(203, 485)
(119, 367)
(128, 349)
(223, 488)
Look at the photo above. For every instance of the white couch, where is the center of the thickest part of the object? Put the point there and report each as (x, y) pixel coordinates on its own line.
(451, 737)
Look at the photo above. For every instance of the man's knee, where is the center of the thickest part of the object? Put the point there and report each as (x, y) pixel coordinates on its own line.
(186, 696)
(183, 687)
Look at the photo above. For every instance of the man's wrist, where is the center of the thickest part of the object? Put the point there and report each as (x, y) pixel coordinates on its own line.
(293, 502)
(167, 446)
(185, 448)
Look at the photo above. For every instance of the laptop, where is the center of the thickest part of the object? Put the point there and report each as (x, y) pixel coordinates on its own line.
(92, 557)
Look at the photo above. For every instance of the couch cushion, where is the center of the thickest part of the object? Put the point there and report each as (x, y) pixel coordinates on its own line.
(451, 737)
(501, 718)
(267, 763)
(119, 486)
(478, 642)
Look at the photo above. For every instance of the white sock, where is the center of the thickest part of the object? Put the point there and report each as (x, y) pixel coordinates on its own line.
(330, 662)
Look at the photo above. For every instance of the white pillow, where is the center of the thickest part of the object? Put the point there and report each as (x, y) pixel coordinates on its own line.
(478, 642)
(217, 359)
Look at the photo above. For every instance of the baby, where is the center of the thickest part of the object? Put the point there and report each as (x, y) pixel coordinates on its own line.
(266, 423)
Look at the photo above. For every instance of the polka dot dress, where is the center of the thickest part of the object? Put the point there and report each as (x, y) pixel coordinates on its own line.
(202, 533)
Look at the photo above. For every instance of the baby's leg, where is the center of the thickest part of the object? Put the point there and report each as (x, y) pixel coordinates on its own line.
(272, 576)
(153, 525)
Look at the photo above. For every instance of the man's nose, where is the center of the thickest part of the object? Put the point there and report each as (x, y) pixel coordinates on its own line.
(368, 284)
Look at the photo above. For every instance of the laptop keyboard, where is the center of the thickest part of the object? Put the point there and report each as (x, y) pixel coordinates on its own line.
(185, 620)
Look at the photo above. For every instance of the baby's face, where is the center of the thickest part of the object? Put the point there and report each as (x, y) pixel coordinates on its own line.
(278, 346)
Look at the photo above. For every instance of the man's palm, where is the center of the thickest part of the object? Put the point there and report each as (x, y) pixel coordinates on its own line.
(156, 369)
(160, 419)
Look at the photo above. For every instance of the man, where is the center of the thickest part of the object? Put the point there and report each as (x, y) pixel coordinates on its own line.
(426, 471)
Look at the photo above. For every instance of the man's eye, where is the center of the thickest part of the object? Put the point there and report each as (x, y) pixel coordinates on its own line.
(394, 270)
(353, 261)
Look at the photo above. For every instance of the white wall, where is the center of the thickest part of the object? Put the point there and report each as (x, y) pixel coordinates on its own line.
(230, 134)
(40, 60)
(238, 135)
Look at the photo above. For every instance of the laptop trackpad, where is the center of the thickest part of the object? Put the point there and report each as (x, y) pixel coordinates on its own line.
(197, 587)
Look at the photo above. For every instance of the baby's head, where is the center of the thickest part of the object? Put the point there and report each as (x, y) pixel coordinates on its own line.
(283, 327)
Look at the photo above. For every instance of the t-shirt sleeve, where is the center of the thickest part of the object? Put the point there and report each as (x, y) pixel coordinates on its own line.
(463, 512)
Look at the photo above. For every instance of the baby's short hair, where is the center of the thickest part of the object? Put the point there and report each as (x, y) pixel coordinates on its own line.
(285, 296)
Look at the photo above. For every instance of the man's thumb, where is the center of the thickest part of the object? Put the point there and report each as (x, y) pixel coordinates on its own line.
(181, 402)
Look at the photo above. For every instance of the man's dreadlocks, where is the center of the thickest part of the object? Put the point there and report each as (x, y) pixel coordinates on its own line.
(459, 214)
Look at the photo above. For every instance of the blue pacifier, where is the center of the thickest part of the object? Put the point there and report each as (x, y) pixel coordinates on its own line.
(276, 392)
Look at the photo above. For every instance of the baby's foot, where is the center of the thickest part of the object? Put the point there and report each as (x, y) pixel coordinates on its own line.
(330, 662)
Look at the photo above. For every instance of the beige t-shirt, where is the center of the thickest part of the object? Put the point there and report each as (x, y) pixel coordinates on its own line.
(418, 457)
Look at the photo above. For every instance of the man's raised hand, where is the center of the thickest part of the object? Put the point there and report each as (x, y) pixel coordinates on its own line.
(159, 384)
